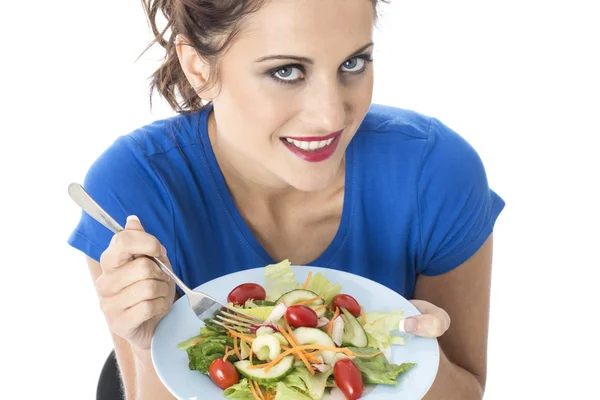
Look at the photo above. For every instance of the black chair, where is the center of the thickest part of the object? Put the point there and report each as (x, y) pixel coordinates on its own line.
(109, 384)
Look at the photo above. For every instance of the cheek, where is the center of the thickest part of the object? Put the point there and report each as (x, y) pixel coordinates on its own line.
(251, 106)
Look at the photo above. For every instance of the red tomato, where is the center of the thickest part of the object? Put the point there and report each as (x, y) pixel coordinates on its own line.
(245, 291)
(348, 302)
(348, 378)
(298, 316)
(223, 373)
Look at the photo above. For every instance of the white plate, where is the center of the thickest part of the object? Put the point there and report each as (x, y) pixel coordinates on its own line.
(172, 365)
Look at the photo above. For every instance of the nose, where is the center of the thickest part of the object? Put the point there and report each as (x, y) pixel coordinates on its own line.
(327, 107)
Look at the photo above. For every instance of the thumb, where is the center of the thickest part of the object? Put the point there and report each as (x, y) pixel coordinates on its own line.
(433, 323)
(133, 223)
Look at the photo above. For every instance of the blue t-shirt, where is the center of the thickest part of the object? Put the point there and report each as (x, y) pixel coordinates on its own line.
(416, 200)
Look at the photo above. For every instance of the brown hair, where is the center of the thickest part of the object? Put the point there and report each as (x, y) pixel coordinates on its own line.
(202, 22)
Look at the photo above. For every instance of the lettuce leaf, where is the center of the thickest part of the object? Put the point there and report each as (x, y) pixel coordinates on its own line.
(312, 385)
(321, 286)
(205, 352)
(379, 327)
(377, 370)
(286, 393)
(279, 279)
(240, 390)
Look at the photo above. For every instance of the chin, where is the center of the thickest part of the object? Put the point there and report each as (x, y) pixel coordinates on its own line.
(313, 182)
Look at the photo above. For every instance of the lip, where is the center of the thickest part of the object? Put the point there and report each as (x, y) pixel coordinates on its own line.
(316, 138)
(315, 155)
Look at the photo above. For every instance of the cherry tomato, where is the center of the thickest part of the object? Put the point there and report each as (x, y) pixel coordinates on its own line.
(245, 291)
(223, 373)
(298, 316)
(348, 302)
(348, 378)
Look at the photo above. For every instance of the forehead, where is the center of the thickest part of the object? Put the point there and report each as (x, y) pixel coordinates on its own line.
(308, 26)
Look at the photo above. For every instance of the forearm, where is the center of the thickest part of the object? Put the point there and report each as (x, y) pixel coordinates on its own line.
(454, 383)
(147, 384)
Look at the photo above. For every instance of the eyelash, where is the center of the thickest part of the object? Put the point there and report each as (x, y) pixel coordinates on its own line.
(367, 58)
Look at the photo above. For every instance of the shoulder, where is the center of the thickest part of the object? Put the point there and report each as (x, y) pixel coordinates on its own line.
(396, 135)
(164, 135)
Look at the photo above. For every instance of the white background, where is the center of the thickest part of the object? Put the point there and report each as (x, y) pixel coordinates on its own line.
(518, 79)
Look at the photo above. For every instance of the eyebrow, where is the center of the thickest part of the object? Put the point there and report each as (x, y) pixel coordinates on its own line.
(305, 59)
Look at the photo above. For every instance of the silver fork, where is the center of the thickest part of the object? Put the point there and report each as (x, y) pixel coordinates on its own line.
(203, 305)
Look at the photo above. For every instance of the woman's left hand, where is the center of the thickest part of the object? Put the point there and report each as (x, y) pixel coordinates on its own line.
(433, 322)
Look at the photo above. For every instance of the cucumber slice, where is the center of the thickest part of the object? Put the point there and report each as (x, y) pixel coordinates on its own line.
(354, 334)
(316, 336)
(295, 296)
(277, 373)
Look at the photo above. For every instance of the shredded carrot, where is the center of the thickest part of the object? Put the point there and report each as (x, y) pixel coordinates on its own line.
(236, 348)
(239, 335)
(287, 333)
(227, 354)
(258, 391)
(308, 301)
(250, 357)
(363, 318)
(253, 390)
(330, 325)
(305, 285)
(378, 321)
(319, 308)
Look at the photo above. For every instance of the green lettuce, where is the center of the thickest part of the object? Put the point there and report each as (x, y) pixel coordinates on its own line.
(378, 370)
(312, 385)
(321, 286)
(205, 352)
(379, 327)
(240, 390)
(286, 393)
(279, 279)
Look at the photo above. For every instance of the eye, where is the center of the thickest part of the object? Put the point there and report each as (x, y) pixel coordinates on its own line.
(288, 73)
(356, 64)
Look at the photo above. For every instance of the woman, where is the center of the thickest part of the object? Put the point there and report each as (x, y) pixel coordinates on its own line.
(277, 153)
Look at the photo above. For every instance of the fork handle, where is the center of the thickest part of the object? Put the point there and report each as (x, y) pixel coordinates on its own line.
(94, 210)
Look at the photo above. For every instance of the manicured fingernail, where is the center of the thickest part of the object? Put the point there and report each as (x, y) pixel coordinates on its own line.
(163, 251)
(408, 325)
(133, 218)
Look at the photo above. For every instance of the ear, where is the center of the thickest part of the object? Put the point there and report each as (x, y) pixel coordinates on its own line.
(196, 69)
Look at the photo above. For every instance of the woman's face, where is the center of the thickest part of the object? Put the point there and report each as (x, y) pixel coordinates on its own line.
(293, 89)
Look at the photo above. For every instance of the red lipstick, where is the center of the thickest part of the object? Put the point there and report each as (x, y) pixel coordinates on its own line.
(315, 155)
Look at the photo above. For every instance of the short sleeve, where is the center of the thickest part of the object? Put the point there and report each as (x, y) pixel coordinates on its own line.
(457, 208)
(123, 182)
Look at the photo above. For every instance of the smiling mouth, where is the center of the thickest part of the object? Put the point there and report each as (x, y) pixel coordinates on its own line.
(313, 143)
(309, 145)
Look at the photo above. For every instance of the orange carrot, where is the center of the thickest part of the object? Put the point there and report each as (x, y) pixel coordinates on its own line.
(305, 285)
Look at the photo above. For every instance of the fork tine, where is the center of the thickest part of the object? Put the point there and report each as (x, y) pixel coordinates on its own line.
(234, 322)
(242, 317)
(233, 327)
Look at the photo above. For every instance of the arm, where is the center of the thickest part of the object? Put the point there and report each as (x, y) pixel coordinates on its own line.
(137, 371)
(464, 293)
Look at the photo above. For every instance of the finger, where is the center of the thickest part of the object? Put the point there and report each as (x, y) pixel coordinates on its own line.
(139, 292)
(143, 268)
(433, 322)
(128, 243)
(133, 223)
(142, 312)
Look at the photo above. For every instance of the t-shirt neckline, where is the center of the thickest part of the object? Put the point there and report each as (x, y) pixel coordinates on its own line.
(342, 233)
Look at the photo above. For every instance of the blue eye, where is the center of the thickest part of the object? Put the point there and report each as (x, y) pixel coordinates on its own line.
(357, 64)
(288, 73)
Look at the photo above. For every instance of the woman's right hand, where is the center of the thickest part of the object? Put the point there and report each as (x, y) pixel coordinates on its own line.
(134, 292)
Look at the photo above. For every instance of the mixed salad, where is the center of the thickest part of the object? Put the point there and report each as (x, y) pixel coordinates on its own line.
(314, 339)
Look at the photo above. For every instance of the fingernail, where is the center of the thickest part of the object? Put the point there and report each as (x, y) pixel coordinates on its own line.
(133, 218)
(408, 325)
(163, 251)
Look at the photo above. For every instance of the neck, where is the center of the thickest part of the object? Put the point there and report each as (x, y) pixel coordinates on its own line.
(246, 180)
